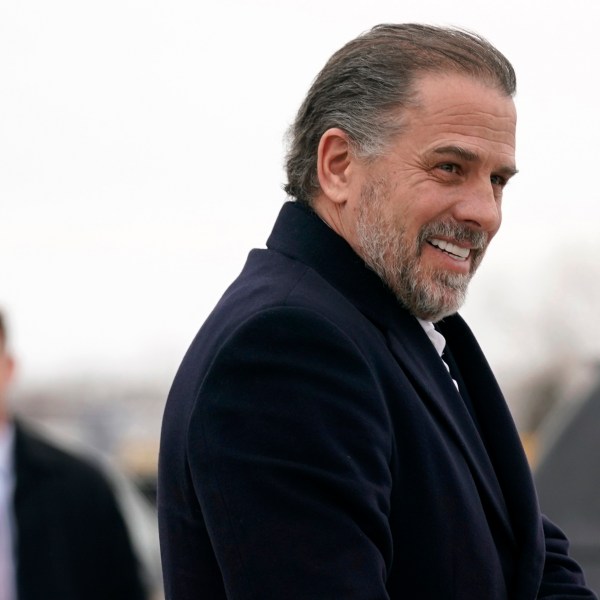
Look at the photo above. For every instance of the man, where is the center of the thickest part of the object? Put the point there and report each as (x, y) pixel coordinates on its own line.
(322, 439)
(62, 535)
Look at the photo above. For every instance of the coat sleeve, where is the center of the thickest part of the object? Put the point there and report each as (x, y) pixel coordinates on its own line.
(289, 447)
(562, 578)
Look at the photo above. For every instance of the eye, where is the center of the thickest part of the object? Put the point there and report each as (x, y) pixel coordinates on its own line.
(449, 167)
(498, 180)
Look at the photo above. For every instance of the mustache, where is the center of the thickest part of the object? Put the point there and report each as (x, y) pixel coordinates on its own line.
(450, 229)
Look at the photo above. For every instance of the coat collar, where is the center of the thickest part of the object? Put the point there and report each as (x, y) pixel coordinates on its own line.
(300, 234)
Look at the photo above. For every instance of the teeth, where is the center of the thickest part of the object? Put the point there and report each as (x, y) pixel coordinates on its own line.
(451, 248)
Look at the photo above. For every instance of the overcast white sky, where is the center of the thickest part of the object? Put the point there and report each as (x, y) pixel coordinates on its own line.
(141, 149)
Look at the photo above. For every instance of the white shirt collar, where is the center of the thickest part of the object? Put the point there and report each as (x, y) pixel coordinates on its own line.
(437, 339)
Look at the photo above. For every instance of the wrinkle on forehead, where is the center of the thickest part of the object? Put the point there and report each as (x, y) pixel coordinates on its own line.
(458, 110)
(460, 96)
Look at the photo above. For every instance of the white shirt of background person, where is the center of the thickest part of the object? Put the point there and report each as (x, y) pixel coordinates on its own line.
(7, 485)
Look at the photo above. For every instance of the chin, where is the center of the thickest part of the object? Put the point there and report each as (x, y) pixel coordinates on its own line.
(434, 301)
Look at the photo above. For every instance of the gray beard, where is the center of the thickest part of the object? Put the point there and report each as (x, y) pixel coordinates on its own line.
(386, 249)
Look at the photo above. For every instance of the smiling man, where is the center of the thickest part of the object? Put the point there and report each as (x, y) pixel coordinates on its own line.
(334, 431)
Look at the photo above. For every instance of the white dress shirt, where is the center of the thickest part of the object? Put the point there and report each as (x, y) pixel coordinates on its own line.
(438, 341)
(7, 530)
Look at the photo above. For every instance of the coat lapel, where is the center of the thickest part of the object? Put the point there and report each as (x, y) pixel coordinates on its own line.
(505, 451)
(421, 363)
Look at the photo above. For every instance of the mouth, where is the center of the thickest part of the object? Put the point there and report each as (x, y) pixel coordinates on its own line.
(456, 252)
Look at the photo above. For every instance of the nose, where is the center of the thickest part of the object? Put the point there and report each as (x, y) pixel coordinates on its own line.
(480, 207)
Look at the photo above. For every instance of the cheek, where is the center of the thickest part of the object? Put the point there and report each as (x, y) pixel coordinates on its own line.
(428, 202)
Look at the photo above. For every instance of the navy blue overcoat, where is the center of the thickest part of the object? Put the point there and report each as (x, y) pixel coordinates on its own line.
(314, 447)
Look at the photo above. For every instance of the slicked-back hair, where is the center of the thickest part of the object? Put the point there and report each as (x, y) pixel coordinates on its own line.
(365, 85)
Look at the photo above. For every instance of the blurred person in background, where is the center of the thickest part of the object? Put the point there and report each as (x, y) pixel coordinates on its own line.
(62, 533)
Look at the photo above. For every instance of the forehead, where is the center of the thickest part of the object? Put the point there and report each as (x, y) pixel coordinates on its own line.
(458, 109)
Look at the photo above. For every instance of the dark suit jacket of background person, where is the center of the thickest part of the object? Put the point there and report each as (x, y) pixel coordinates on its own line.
(72, 542)
(315, 447)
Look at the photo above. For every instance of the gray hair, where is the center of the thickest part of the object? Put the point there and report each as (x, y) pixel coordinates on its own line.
(364, 85)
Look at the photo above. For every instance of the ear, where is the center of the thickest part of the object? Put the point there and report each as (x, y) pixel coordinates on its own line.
(334, 159)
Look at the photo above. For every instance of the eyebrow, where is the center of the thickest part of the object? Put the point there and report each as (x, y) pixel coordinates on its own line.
(469, 156)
